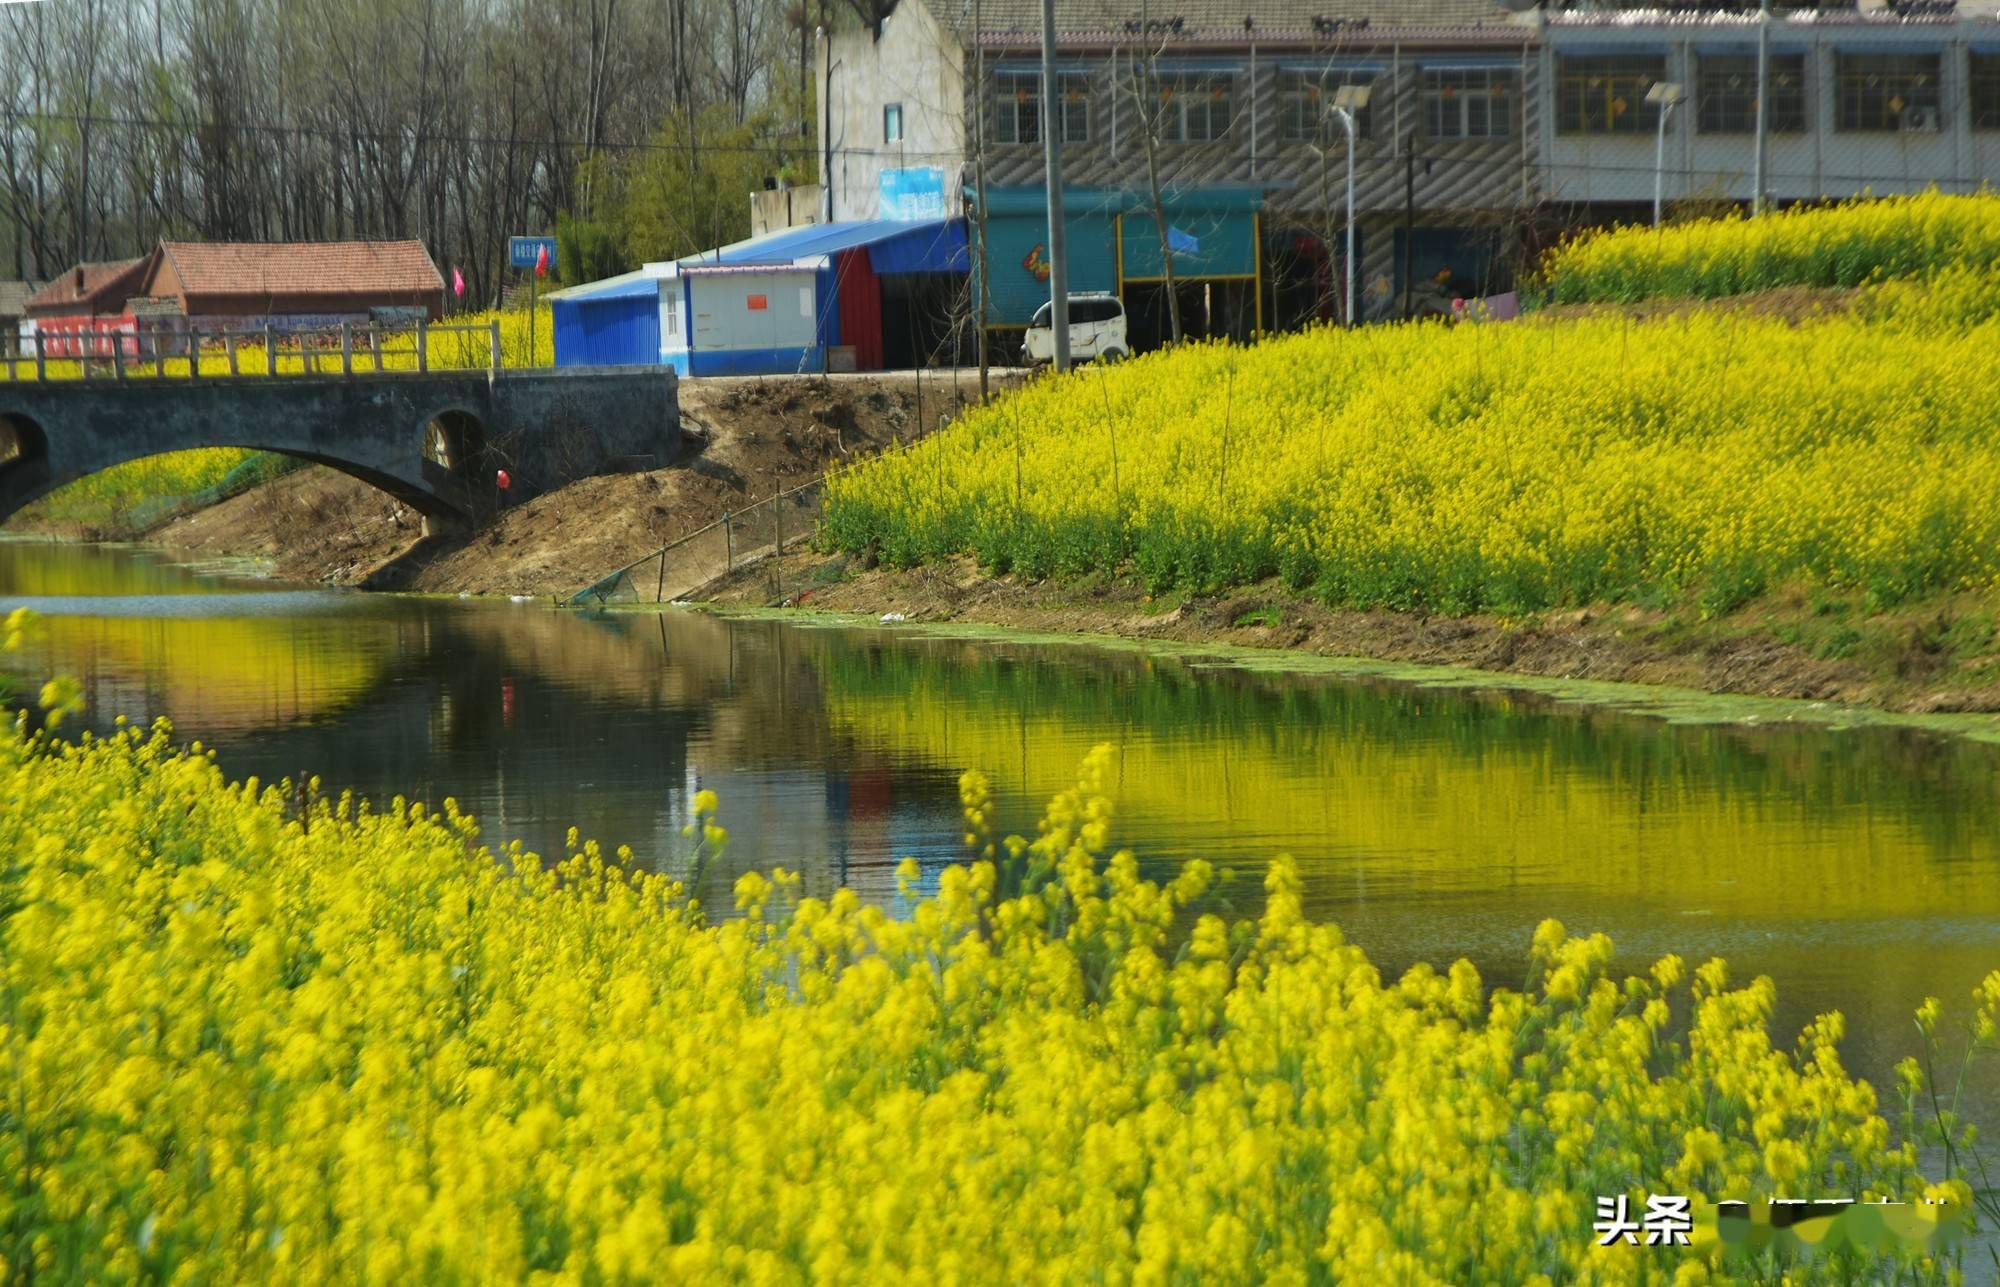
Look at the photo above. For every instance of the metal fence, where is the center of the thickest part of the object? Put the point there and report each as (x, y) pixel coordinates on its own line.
(750, 537)
(196, 352)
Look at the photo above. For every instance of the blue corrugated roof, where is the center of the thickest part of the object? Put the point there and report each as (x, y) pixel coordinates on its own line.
(938, 245)
(626, 286)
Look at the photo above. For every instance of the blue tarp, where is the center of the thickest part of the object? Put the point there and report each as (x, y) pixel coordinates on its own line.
(932, 246)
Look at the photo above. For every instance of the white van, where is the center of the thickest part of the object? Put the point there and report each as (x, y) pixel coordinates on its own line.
(1096, 330)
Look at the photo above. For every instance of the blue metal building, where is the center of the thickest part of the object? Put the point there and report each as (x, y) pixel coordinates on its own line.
(615, 322)
(822, 296)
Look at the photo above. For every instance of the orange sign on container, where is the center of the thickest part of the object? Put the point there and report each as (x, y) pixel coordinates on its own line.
(758, 303)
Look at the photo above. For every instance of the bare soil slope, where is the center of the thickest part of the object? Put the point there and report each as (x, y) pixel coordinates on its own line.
(1938, 657)
(752, 436)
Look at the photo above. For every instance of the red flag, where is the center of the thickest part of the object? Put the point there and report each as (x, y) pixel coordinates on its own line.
(542, 261)
(458, 283)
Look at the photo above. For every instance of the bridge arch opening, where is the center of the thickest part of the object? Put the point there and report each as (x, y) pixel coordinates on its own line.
(22, 441)
(455, 441)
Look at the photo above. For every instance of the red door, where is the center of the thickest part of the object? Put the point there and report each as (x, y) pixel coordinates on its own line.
(859, 291)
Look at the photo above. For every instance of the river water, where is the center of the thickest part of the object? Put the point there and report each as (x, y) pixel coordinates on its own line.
(1860, 868)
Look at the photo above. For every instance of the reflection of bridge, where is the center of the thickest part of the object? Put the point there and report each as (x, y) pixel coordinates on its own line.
(430, 439)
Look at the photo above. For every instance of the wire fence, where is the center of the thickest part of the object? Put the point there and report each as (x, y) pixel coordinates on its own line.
(752, 536)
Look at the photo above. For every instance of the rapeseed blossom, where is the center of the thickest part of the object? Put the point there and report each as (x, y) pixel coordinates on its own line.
(245, 1038)
(1515, 467)
(1848, 244)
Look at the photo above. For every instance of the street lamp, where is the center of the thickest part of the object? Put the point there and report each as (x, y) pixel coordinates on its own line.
(1347, 100)
(1667, 95)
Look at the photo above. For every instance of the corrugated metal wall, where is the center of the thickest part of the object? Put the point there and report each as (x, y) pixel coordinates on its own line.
(618, 330)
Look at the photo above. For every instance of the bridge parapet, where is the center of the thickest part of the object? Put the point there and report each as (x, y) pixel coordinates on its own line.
(119, 348)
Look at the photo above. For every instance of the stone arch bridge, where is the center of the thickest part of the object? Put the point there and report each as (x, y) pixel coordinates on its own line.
(432, 440)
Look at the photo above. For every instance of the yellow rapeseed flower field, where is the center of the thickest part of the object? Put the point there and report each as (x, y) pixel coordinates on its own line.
(246, 1040)
(1503, 467)
(1849, 244)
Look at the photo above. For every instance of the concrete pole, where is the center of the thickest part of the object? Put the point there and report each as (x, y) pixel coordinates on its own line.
(1660, 162)
(1763, 104)
(1347, 123)
(826, 115)
(980, 107)
(1052, 160)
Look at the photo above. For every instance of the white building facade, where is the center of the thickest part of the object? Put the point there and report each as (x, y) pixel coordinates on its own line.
(1488, 133)
(1865, 100)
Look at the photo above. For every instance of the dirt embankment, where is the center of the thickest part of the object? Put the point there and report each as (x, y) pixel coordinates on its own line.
(1942, 657)
(1792, 304)
(751, 437)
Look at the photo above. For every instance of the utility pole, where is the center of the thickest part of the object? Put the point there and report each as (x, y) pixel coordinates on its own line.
(1409, 213)
(1347, 120)
(1666, 95)
(979, 179)
(1763, 103)
(826, 115)
(1345, 114)
(1052, 159)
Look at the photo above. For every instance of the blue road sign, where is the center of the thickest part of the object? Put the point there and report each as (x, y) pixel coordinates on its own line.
(523, 251)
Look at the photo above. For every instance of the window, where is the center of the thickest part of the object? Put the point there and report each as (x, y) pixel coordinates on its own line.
(1726, 101)
(1607, 94)
(1083, 309)
(1984, 84)
(1305, 103)
(1194, 107)
(1017, 107)
(1888, 92)
(1470, 102)
(1075, 88)
(1017, 104)
(892, 122)
(1094, 309)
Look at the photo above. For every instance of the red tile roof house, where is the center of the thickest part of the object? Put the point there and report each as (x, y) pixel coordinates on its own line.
(88, 290)
(13, 307)
(290, 283)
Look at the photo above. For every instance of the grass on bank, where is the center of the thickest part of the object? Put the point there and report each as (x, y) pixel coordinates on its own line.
(129, 499)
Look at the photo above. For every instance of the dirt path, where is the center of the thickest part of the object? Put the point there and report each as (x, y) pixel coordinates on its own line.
(1792, 304)
(756, 436)
(1744, 654)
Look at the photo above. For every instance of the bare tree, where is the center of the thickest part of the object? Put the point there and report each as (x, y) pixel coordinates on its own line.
(456, 121)
(1154, 101)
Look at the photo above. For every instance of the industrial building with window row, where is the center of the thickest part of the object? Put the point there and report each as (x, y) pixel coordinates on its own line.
(1482, 134)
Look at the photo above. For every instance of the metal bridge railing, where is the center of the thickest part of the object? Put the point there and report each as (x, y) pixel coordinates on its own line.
(194, 352)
